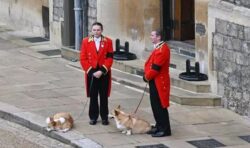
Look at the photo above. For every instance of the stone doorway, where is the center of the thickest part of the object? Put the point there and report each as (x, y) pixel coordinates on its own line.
(178, 20)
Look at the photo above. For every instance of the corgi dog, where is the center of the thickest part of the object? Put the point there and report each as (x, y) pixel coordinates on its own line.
(129, 124)
(62, 122)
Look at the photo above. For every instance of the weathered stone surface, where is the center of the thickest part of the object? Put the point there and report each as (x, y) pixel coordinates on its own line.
(200, 29)
(58, 11)
(221, 26)
(58, 3)
(228, 43)
(231, 48)
(92, 3)
(232, 29)
(247, 33)
(246, 47)
(218, 40)
(231, 1)
(92, 12)
(244, 3)
(237, 44)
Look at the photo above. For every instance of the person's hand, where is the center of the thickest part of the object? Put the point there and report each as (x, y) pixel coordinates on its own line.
(91, 72)
(97, 74)
(144, 79)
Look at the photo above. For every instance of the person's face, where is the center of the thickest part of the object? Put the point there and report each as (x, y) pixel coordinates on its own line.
(154, 38)
(96, 31)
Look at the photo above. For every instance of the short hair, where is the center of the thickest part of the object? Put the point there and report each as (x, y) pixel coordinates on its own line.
(98, 24)
(158, 32)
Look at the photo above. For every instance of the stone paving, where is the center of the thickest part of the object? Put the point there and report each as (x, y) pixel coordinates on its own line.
(14, 135)
(34, 86)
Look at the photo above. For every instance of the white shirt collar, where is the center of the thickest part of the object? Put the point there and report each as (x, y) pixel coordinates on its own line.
(155, 45)
(97, 39)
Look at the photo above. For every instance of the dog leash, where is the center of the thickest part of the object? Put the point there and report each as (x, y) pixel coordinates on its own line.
(141, 99)
(91, 83)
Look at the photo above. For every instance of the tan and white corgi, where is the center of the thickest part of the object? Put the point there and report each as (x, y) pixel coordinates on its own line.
(128, 123)
(62, 122)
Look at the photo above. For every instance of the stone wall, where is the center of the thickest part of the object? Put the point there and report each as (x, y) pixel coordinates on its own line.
(230, 55)
(92, 13)
(23, 15)
(231, 46)
(244, 3)
(131, 21)
(58, 10)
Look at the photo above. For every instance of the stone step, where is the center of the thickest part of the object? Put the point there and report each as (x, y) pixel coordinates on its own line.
(180, 52)
(136, 67)
(177, 94)
(178, 61)
(182, 48)
(184, 97)
(193, 86)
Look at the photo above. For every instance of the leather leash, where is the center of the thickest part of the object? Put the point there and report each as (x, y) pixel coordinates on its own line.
(141, 99)
(91, 83)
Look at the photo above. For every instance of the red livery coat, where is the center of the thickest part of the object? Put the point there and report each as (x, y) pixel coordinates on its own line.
(157, 68)
(90, 58)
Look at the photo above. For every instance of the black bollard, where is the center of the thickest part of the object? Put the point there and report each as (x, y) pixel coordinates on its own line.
(122, 52)
(126, 47)
(188, 66)
(117, 45)
(197, 69)
(193, 75)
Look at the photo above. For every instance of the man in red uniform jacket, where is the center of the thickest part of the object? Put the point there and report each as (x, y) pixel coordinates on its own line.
(96, 58)
(156, 73)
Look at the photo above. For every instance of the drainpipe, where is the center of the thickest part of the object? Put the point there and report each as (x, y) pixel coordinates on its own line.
(78, 23)
(85, 17)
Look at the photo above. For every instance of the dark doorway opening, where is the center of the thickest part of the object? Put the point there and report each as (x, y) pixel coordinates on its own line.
(45, 17)
(178, 19)
(68, 26)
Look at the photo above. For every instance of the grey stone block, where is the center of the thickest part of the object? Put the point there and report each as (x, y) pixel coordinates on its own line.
(241, 34)
(241, 59)
(246, 47)
(230, 1)
(237, 44)
(86, 143)
(228, 56)
(247, 33)
(244, 3)
(218, 52)
(58, 3)
(228, 43)
(92, 12)
(223, 77)
(234, 80)
(232, 29)
(92, 3)
(221, 26)
(218, 40)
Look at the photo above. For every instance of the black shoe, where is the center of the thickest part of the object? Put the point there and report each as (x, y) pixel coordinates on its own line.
(153, 130)
(105, 122)
(161, 134)
(92, 122)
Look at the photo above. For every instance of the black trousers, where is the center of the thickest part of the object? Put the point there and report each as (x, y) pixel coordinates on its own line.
(98, 87)
(160, 114)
